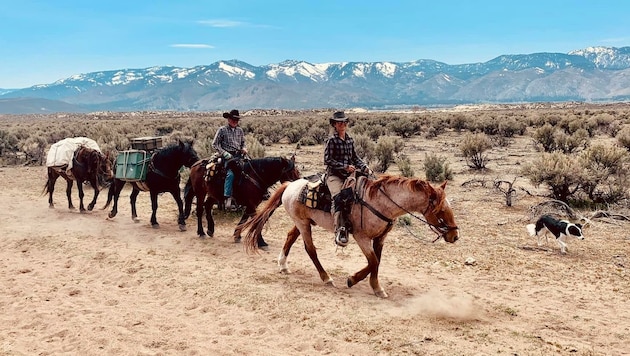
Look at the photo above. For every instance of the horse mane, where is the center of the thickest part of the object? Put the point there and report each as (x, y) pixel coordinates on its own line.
(412, 184)
(170, 148)
(258, 163)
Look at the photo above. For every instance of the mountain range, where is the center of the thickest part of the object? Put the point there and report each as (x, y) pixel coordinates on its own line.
(594, 74)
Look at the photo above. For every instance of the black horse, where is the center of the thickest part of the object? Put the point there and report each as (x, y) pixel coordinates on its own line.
(249, 189)
(88, 165)
(162, 176)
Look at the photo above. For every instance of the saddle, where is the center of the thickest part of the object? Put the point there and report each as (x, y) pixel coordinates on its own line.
(316, 195)
(216, 169)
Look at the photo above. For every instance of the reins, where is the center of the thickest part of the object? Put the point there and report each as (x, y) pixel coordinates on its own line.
(257, 183)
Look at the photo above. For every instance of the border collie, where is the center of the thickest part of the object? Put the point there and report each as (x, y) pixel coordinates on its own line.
(559, 229)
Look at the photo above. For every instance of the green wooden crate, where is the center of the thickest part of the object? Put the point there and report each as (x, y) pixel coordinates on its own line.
(132, 165)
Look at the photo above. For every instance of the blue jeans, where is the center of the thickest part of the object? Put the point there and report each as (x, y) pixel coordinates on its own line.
(227, 187)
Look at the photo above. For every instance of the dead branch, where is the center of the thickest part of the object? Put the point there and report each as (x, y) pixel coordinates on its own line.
(604, 214)
(554, 206)
(507, 188)
(474, 181)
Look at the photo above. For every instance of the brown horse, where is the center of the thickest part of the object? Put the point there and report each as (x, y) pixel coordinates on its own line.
(88, 165)
(376, 206)
(256, 177)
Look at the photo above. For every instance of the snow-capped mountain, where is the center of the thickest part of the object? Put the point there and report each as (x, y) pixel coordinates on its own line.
(591, 74)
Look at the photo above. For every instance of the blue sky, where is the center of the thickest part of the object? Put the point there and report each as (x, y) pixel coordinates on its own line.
(44, 41)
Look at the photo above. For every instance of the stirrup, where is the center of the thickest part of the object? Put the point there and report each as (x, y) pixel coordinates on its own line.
(341, 237)
(230, 205)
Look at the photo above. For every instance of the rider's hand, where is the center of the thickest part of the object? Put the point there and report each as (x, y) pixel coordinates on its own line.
(350, 169)
(227, 155)
(244, 151)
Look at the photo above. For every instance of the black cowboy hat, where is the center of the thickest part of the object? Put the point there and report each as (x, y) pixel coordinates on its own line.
(338, 116)
(232, 115)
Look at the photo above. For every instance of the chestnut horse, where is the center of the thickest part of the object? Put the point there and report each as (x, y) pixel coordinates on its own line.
(376, 206)
(256, 177)
(88, 165)
(162, 176)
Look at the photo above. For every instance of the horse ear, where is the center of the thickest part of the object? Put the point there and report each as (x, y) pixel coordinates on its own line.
(293, 157)
(443, 185)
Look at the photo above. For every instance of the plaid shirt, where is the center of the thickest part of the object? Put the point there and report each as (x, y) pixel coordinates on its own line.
(229, 139)
(339, 154)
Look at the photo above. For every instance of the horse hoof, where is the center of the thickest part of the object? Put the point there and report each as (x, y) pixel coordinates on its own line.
(136, 220)
(381, 294)
(264, 248)
(237, 240)
(182, 227)
(330, 283)
(350, 282)
(155, 226)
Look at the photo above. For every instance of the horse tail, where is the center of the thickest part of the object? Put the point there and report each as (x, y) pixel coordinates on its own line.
(254, 226)
(46, 189)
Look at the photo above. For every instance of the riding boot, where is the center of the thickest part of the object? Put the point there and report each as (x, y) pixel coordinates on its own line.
(341, 233)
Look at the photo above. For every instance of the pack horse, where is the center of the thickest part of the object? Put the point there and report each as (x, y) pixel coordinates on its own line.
(161, 175)
(77, 159)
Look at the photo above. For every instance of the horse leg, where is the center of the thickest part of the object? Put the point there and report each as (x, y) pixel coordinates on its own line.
(69, 183)
(132, 199)
(81, 195)
(154, 207)
(189, 194)
(50, 186)
(292, 236)
(209, 219)
(113, 194)
(371, 268)
(200, 210)
(96, 192)
(238, 229)
(181, 220)
(307, 236)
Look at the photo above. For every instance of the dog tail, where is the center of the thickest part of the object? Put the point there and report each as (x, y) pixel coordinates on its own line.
(531, 228)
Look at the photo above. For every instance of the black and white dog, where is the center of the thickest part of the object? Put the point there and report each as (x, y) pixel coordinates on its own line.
(559, 229)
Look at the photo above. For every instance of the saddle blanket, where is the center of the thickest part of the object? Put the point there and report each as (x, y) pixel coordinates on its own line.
(60, 153)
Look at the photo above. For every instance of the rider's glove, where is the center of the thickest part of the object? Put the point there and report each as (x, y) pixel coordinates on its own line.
(227, 155)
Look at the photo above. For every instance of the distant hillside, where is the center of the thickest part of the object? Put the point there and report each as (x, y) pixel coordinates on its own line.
(594, 74)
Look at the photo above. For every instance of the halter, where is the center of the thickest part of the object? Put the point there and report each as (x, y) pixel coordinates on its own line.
(438, 230)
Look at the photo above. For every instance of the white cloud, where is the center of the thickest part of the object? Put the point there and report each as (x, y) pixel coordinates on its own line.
(191, 45)
(222, 23)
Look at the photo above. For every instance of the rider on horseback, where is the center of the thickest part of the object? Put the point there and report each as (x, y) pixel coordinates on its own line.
(341, 160)
(229, 141)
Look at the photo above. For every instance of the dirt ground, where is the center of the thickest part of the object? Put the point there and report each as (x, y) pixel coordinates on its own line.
(83, 284)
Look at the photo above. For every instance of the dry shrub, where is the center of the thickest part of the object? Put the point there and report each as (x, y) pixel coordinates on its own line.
(623, 138)
(436, 168)
(473, 147)
(561, 172)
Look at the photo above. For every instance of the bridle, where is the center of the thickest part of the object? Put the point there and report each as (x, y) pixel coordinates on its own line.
(440, 231)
